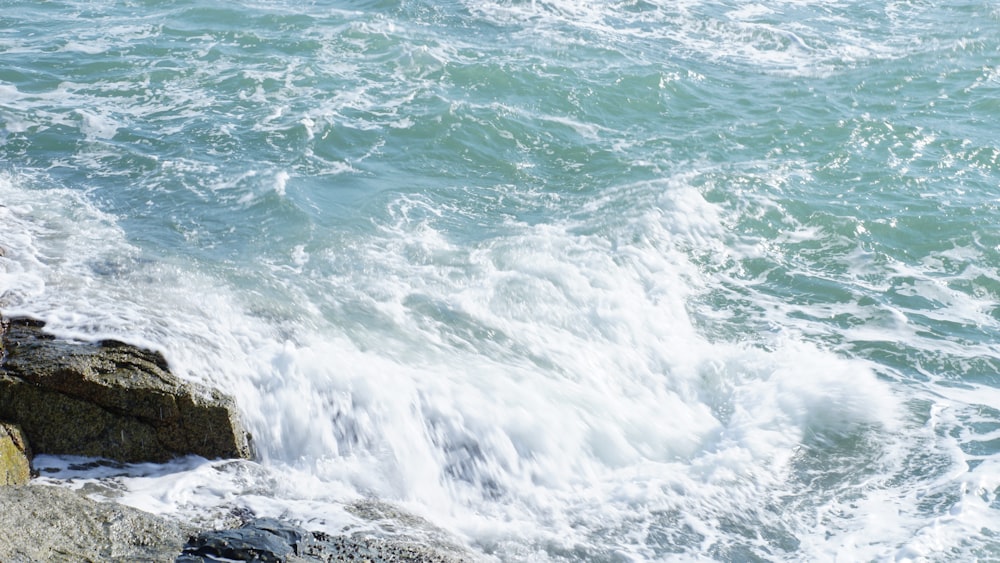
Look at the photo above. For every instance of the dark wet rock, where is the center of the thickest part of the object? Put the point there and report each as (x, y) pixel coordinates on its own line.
(109, 399)
(271, 540)
(260, 540)
(52, 524)
(15, 455)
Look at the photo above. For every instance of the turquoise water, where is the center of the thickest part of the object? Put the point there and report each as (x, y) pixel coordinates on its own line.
(576, 281)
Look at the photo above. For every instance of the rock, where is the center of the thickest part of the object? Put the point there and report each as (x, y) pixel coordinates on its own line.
(272, 540)
(260, 540)
(15, 456)
(399, 524)
(44, 523)
(109, 399)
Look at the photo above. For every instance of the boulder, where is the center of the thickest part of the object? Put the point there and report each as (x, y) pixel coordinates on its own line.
(109, 399)
(45, 523)
(15, 456)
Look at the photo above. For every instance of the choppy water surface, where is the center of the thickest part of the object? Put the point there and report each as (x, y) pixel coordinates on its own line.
(576, 281)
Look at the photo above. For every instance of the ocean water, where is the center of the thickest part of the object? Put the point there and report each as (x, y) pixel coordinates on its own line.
(635, 280)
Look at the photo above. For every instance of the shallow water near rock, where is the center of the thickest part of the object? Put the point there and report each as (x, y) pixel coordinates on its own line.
(570, 281)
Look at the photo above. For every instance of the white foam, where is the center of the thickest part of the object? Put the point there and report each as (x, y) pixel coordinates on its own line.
(815, 44)
(594, 371)
(89, 48)
(52, 239)
(594, 399)
(280, 181)
(96, 126)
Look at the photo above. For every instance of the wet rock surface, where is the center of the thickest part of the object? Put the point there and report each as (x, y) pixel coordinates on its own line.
(109, 399)
(271, 540)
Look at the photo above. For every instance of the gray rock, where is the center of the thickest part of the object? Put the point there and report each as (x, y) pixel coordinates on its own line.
(109, 399)
(406, 529)
(15, 455)
(52, 524)
(271, 540)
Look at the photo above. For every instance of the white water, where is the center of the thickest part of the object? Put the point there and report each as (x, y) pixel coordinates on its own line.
(542, 389)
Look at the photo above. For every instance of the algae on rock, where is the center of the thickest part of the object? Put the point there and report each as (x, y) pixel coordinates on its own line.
(15, 455)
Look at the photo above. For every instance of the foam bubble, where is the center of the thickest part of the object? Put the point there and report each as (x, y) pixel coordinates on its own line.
(280, 181)
(96, 126)
(91, 48)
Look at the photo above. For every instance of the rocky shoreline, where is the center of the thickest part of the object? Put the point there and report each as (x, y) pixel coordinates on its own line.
(112, 400)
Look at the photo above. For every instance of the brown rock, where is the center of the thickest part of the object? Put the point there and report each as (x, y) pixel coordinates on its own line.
(109, 399)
